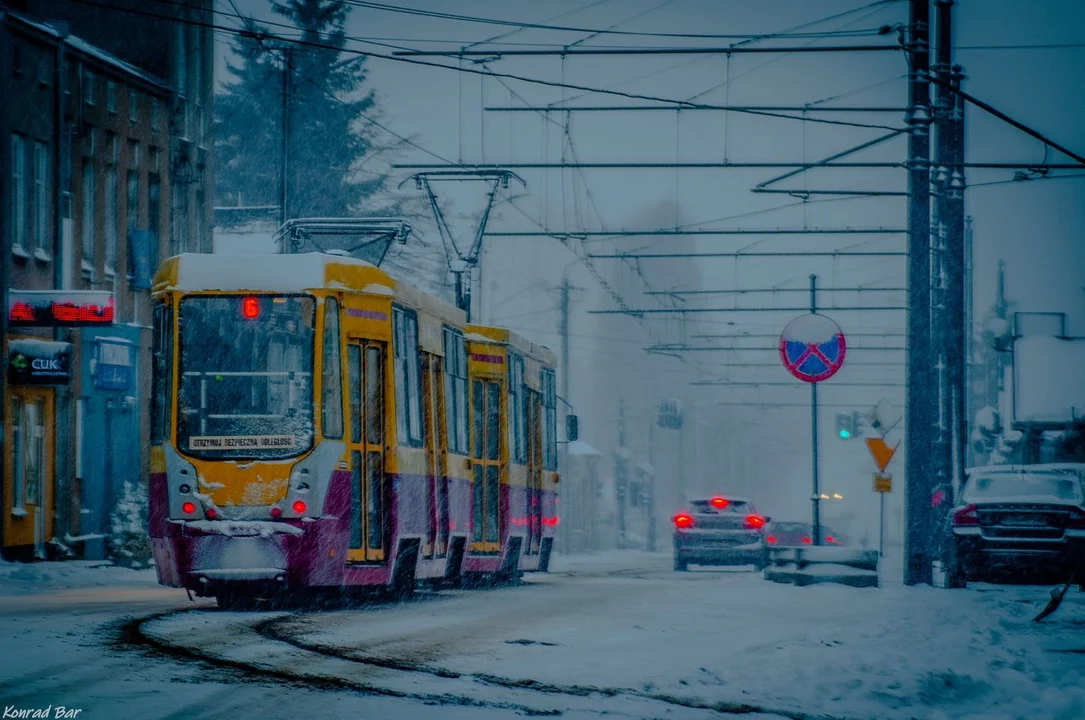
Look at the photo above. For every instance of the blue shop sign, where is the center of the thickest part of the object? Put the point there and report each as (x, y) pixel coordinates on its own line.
(113, 369)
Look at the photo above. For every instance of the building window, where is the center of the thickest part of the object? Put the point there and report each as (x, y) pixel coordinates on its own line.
(110, 220)
(18, 449)
(44, 70)
(455, 390)
(408, 400)
(88, 219)
(133, 201)
(332, 373)
(154, 214)
(179, 213)
(200, 238)
(111, 96)
(18, 193)
(16, 60)
(154, 116)
(40, 199)
(112, 147)
(88, 87)
(133, 106)
(181, 58)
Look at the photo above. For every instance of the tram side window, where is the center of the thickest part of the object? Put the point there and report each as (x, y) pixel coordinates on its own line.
(162, 378)
(408, 391)
(455, 390)
(550, 427)
(332, 373)
(517, 444)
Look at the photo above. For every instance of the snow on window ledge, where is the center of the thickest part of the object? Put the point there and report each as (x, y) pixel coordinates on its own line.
(109, 272)
(18, 512)
(19, 251)
(87, 269)
(42, 256)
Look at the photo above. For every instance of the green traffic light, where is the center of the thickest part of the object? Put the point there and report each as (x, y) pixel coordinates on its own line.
(845, 434)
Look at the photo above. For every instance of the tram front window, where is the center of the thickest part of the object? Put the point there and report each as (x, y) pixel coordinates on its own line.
(246, 376)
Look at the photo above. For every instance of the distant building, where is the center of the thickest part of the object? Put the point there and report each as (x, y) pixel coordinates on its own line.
(104, 162)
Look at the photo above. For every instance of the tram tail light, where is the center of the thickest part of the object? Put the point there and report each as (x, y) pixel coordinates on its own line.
(188, 508)
(299, 507)
(276, 511)
(211, 513)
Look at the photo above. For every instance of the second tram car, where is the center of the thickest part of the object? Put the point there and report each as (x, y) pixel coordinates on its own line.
(318, 424)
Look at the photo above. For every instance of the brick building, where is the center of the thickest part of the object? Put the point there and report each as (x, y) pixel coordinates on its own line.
(104, 170)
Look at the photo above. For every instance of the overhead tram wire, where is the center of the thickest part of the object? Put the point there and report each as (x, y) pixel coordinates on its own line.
(542, 26)
(301, 42)
(768, 36)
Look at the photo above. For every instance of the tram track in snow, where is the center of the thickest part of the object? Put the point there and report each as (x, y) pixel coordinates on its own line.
(279, 646)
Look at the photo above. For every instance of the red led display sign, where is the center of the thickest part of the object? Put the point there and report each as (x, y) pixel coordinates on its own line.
(53, 308)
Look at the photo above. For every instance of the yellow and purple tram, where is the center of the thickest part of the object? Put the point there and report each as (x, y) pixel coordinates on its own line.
(319, 424)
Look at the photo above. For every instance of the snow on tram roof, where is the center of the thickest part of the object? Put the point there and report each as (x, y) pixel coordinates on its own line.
(194, 272)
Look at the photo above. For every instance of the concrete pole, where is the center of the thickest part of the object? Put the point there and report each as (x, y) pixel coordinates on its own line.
(919, 408)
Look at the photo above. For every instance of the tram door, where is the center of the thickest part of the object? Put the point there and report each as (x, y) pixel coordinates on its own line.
(433, 418)
(365, 380)
(486, 462)
(534, 472)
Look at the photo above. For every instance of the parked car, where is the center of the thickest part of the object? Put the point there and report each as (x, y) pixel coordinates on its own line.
(796, 534)
(1013, 521)
(719, 531)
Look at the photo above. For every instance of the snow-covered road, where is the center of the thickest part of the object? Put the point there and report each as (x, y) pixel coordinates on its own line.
(619, 634)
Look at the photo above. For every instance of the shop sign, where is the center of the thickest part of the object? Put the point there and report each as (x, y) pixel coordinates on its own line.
(60, 308)
(39, 362)
(113, 367)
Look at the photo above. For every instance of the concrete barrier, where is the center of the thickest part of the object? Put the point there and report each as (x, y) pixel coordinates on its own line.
(823, 564)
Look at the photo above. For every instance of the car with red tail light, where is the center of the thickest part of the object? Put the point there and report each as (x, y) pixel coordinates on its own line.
(1014, 521)
(719, 531)
(797, 534)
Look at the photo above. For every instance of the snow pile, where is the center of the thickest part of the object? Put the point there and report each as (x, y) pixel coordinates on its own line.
(44, 577)
(128, 540)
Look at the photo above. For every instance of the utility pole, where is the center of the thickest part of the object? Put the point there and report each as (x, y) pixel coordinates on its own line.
(564, 383)
(919, 408)
(816, 493)
(651, 510)
(284, 139)
(620, 477)
(942, 282)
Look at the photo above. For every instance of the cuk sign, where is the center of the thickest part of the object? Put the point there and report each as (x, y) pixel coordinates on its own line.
(39, 362)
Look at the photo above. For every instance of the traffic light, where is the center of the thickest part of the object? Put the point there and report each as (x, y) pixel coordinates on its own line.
(847, 425)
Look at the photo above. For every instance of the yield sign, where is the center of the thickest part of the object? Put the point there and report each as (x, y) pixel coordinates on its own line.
(881, 452)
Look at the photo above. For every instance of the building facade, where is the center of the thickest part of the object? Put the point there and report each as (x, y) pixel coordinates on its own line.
(103, 169)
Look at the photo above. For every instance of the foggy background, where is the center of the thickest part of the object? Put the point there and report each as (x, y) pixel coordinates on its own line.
(752, 440)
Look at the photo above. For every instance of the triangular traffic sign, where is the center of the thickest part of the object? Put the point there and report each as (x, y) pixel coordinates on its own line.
(881, 452)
